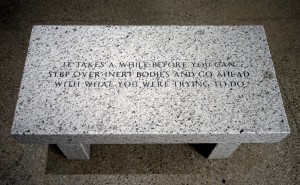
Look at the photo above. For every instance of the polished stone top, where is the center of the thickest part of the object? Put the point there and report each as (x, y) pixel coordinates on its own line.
(149, 80)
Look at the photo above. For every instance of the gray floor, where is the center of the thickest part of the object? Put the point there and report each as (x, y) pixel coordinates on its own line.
(151, 164)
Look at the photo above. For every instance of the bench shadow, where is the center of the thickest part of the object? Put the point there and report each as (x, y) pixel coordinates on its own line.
(132, 159)
(204, 149)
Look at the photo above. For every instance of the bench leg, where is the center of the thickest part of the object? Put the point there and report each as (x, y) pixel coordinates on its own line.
(223, 150)
(75, 151)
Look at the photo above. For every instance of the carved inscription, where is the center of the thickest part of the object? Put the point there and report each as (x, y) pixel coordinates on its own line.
(150, 74)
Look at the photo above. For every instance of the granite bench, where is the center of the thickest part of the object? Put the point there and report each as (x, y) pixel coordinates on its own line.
(86, 85)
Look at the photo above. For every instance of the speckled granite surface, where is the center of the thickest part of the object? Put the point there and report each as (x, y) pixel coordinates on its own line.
(78, 86)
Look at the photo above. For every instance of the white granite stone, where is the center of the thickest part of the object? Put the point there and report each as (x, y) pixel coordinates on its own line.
(185, 103)
(75, 151)
(223, 150)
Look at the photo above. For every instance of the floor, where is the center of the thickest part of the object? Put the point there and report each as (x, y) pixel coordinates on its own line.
(151, 164)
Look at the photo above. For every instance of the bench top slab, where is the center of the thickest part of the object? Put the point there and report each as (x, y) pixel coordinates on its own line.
(149, 80)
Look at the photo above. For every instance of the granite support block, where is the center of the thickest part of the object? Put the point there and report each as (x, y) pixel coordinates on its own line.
(75, 151)
(223, 150)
